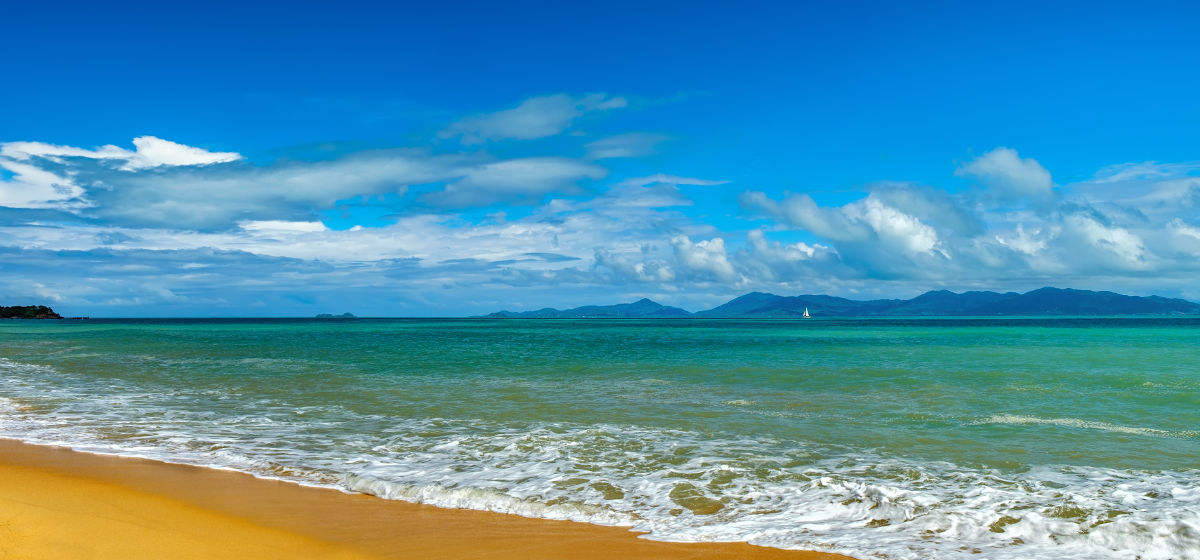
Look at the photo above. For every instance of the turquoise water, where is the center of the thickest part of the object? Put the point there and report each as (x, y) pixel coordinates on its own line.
(924, 438)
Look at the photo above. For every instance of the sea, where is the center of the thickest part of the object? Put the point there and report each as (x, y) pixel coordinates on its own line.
(896, 438)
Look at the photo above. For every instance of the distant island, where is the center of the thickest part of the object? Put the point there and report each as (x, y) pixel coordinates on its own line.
(1044, 302)
(641, 308)
(28, 312)
(331, 316)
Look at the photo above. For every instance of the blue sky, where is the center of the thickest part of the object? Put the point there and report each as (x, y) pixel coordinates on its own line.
(416, 159)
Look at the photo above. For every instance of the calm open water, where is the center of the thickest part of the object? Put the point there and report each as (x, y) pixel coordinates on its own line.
(922, 438)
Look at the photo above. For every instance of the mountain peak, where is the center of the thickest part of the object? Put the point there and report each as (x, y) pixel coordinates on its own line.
(644, 307)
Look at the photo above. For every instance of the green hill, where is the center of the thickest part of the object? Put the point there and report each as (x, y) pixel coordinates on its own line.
(28, 312)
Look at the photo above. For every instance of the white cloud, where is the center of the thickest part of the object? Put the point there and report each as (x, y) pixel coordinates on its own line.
(794, 252)
(942, 210)
(706, 258)
(662, 178)
(1119, 241)
(1129, 220)
(1156, 191)
(153, 152)
(798, 267)
(537, 117)
(571, 231)
(1007, 173)
(1183, 239)
(636, 270)
(860, 221)
(165, 183)
(1028, 243)
(894, 227)
(189, 197)
(32, 187)
(27, 150)
(650, 196)
(802, 211)
(149, 151)
(158, 225)
(35, 187)
(526, 179)
(633, 144)
(653, 191)
(281, 226)
(1146, 171)
(1183, 229)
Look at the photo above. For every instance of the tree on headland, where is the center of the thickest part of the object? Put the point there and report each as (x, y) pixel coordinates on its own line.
(28, 312)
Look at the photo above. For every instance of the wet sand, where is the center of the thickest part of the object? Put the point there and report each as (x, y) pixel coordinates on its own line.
(60, 504)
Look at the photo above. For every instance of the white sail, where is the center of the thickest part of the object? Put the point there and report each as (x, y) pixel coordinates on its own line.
(806, 315)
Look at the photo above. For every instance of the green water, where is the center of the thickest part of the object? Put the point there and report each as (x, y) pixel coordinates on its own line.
(693, 429)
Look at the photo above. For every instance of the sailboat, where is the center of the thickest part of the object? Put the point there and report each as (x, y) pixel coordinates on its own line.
(806, 315)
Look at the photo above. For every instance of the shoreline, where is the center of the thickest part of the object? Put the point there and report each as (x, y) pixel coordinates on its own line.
(123, 507)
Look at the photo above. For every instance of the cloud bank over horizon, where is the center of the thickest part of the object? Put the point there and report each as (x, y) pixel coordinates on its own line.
(454, 160)
(453, 228)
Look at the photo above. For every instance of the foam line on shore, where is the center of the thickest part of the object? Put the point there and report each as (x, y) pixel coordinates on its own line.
(259, 518)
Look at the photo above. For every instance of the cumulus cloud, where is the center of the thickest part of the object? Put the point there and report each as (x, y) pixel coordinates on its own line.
(537, 117)
(161, 226)
(1125, 222)
(1010, 175)
(801, 211)
(704, 258)
(776, 251)
(940, 209)
(895, 228)
(1027, 243)
(772, 264)
(1116, 246)
(859, 221)
(1182, 228)
(633, 268)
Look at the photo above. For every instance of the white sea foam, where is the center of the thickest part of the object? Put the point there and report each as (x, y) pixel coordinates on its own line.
(675, 484)
(8, 406)
(1086, 425)
(486, 499)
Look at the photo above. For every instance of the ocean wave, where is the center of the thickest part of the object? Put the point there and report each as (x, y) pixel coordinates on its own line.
(680, 487)
(8, 406)
(674, 484)
(486, 499)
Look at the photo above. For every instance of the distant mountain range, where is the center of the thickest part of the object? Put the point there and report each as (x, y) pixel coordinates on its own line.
(640, 308)
(1044, 301)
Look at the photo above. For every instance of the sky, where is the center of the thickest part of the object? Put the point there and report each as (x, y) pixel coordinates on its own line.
(451, 159)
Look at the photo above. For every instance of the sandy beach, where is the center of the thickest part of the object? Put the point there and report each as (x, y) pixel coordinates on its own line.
(59, 504)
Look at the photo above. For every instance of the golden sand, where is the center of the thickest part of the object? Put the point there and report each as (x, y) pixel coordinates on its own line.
(60, 504)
